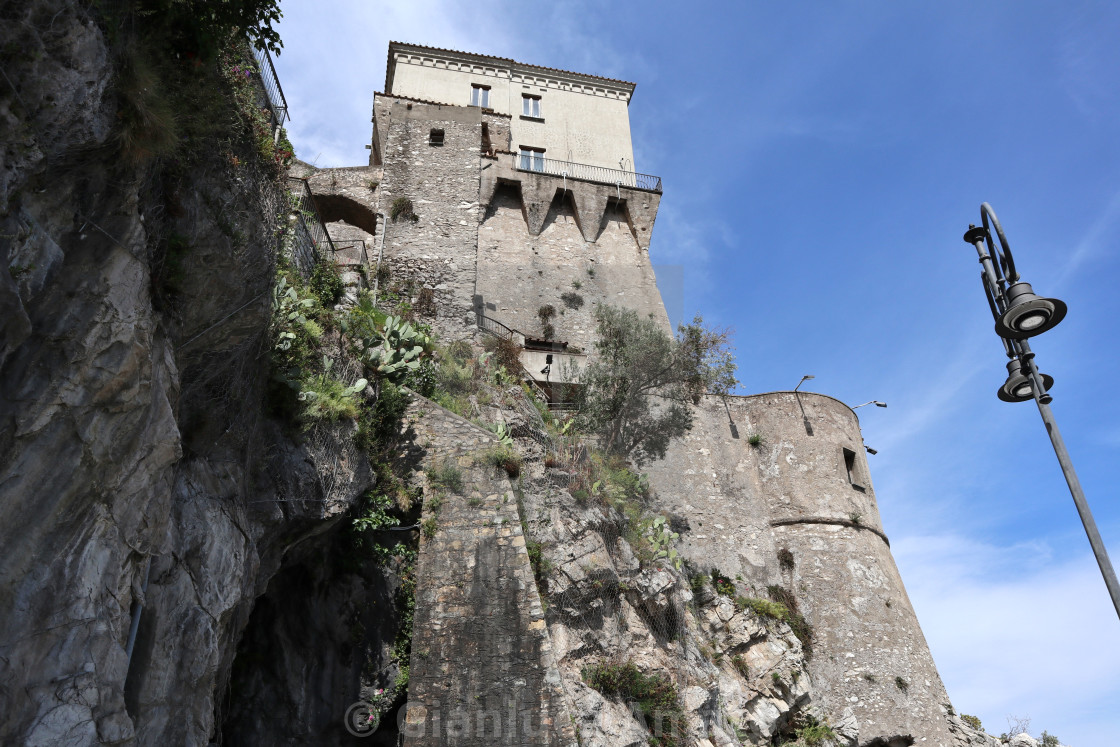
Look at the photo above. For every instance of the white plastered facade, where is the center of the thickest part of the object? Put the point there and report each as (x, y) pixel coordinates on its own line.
(583, 118)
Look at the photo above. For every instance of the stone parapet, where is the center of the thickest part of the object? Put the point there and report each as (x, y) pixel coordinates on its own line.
(591, 202)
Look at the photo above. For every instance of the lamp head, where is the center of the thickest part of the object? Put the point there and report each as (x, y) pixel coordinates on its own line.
(1028, 315)
(1018, 387)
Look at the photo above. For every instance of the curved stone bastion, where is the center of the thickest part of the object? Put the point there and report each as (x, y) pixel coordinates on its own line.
(775, 491)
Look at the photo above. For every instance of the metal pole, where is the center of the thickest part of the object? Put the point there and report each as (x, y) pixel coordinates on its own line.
(1078, 496)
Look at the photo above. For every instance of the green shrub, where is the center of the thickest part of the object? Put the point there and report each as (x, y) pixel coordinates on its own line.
(639, 389)
(722, 584)
(572, 300)
(375, 512)
(505, 458)
(785, 559)
(796, 621)
(326, 398)
(541, 565)
(762, 607)
(379, 427)
(655, 695)
(389, 347)
(326, 283)
(402, 208)
(447, 476)
(814, 733)
(972, 721)
(429, 526)
(755, 439)
(423, 380)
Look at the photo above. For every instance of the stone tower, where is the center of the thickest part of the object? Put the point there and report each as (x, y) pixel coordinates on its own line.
(796, 509)
(503, 196)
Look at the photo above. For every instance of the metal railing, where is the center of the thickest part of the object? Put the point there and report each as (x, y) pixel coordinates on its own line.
(494, 327)
(304, 204)
(535, 162)
(277, 104)
(310, 238)
(363, 257)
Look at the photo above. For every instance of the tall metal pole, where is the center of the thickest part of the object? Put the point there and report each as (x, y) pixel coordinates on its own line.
(1020, 350)
(1079, 500)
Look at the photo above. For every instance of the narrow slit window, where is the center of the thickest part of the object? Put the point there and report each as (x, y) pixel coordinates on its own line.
(851, 466)
(435, 137)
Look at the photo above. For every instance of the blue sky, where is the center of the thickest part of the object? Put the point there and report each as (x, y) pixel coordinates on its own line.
(820, 163)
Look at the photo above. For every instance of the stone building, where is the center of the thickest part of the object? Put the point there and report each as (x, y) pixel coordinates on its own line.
(502, 197)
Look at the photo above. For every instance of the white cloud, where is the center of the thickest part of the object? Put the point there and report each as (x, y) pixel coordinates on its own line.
(1091, 243)
(1015, 634)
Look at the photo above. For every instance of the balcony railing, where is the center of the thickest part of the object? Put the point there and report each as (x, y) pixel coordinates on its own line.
(526, 161)
(277, 104)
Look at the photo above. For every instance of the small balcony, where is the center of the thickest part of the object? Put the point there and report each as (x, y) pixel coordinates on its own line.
(535, 161)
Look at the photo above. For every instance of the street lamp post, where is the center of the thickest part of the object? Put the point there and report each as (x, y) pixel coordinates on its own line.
(1020, 314)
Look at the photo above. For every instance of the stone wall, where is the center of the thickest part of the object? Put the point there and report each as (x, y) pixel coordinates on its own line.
(482, 670)
(791, 491)
(518, 272)
(437, 250)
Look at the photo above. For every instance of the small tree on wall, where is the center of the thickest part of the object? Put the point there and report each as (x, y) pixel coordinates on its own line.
(639, 388)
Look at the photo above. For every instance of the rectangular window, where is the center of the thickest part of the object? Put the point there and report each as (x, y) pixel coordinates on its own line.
(480, 95)
(530, 106)
(435, 137)
(532, 159)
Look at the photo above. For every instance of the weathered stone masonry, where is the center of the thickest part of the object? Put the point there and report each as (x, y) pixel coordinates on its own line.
(792, 491)
(482, 670)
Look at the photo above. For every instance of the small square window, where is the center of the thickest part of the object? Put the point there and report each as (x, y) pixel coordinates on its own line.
(480, 95)
(435, 137)
(530, 105)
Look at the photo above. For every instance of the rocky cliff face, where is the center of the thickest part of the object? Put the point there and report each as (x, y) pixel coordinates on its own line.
(137, 465)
